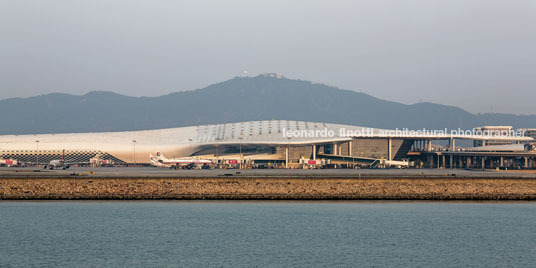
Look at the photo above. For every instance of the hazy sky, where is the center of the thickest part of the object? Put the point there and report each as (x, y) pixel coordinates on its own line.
(476, 54)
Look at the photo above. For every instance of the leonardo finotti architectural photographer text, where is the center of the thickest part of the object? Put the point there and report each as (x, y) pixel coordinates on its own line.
(404, 132)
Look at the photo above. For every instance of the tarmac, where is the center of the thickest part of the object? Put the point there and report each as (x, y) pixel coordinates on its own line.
(149, 172)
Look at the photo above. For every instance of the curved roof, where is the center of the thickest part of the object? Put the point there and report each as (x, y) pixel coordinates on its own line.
(284, 131)
(270, 132)
(253, 132)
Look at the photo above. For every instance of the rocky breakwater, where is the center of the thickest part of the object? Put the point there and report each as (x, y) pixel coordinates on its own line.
(269, 188)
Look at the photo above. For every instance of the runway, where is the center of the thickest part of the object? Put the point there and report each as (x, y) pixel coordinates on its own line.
(150, 172)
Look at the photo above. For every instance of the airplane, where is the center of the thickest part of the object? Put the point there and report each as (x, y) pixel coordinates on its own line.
(60, 163)
(9, 162)
(57, 163)
(177, 163)
(155, 162)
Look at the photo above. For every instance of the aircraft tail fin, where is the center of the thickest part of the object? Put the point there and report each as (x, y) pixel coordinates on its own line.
(155, 162)
(160, 156)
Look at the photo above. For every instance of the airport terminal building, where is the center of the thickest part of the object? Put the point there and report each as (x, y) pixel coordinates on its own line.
(281, 143)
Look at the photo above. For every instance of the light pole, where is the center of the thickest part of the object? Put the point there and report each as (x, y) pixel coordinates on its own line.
(218, 154)
(240, 142)
(134, 151)
(288, 152)
(37, 145)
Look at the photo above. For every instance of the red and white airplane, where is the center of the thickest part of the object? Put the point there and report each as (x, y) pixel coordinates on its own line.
(185, 162)
(155, 162)
(9, 162)
(62, 163)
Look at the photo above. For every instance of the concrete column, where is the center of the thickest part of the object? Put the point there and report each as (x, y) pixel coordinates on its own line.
(443, 162)
(314, 152)
(460, 162)
(335, 149)
(389, 141)
(429, 146)
(483, 162)
(431, 161)
(469, 158)
(453, 145)
(286, 157)
(483, 142)
(502, 161)
(526, 162)
(350, 146)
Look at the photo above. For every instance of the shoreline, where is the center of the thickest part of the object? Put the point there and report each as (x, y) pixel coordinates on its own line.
(267, 188)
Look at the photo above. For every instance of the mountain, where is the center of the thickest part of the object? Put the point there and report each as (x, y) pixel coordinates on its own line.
(238, 99)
